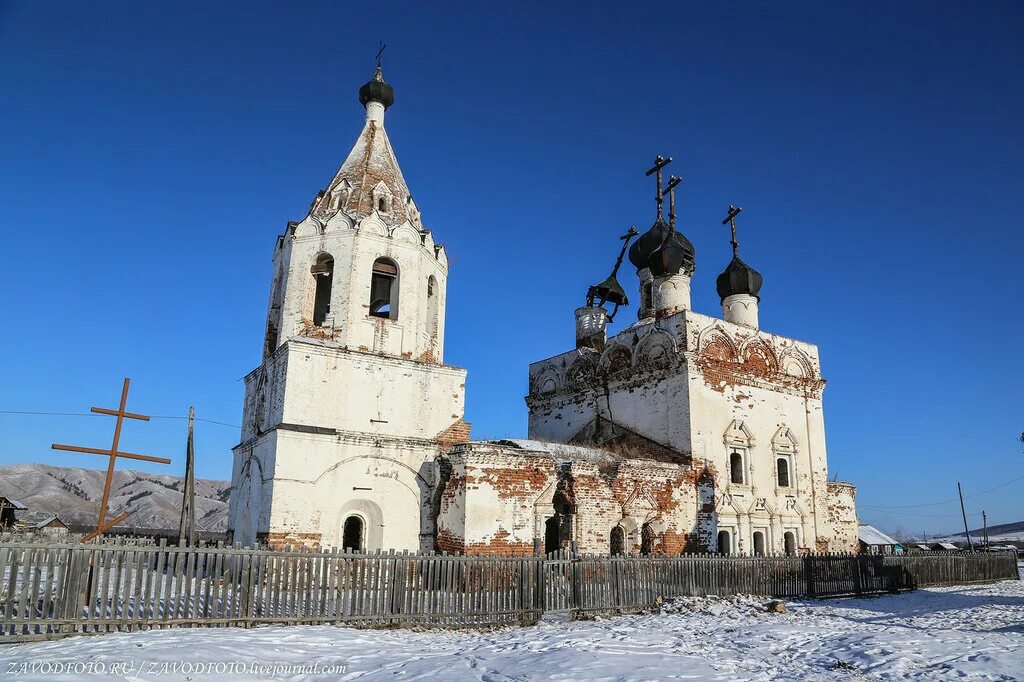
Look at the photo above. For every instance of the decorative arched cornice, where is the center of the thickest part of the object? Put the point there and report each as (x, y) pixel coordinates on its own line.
(756, 346)
(406, 233)
(373, 224)
(339, 222)
(796, 363)
(713, 333)
(309, 227)
(547, 380)
(382, 458)
(616, 357)
(657, 349)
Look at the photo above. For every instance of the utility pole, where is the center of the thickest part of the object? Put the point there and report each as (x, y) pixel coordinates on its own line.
(984, 519)
(963, 511)
(187, 527)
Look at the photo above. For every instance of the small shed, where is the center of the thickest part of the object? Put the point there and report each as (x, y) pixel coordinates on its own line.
(50, 525)
(920, 547)
(8, 512)
(944, 547)
(874, 541)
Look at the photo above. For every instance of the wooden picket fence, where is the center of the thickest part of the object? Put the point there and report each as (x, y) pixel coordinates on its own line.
(58, 589)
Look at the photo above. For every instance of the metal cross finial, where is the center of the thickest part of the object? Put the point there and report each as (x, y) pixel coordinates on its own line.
(102, 525)
(670, 190)
(659, 163)
(731, 219)
(380, 51)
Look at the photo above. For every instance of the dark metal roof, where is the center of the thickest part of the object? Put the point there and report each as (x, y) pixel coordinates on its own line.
(739, 278)
(664, 250)
(377, 90)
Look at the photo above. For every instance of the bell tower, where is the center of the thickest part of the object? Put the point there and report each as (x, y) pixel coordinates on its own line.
(344, 418)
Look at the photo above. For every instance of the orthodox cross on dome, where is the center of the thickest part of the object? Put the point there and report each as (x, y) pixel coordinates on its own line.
(610, 291)
(670, 190)
(102, 525)
(659, 163)
(731, 220)
(382, 45)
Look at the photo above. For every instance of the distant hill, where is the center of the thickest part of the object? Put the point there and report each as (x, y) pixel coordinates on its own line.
(998, 533)
(74, 495)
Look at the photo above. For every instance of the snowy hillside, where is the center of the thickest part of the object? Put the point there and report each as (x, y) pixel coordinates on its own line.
(998, 533)
(74, 495)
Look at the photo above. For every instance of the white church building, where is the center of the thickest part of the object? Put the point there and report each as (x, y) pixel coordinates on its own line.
(681, 433)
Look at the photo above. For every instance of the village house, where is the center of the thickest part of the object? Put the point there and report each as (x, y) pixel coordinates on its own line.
(681, 433)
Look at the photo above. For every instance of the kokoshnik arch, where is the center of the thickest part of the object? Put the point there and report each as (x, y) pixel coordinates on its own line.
(682, 432)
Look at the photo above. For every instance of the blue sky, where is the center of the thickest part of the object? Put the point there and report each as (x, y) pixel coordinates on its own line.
(151, 152)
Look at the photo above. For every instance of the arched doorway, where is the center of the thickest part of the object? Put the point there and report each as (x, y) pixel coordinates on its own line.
(553, 534)
(724, 544)
(352, 536)
(790, 541)
(758, 543)
(618, 541)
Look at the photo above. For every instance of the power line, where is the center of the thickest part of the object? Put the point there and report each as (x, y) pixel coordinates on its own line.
(936, 504)
(92, 414)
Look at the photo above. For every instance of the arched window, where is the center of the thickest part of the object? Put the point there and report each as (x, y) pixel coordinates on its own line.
(790, 542)
(432, 308)
(382, 204)
(646, 539)
(352, 536)
(384, 289)
(618, 541)
(758, 543)
(782, 468)
(736, 467)
(724, 545)
(323, 275)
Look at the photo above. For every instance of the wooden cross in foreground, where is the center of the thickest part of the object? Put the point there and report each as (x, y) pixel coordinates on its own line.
(102, 525)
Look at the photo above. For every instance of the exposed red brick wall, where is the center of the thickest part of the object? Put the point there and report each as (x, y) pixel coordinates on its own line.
(282, 540)
(454, 435)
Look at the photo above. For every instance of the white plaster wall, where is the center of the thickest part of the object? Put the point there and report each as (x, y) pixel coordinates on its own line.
(763, 410)
(354, 248)
(676, 405)
(322, 479)
(373, 394)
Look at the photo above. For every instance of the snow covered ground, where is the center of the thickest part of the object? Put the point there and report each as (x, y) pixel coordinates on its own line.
(971, 633)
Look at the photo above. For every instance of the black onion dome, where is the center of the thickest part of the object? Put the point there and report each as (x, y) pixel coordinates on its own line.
(664, 250)
(675, 255)
(647, 243)
(377, 90)
(739, 278)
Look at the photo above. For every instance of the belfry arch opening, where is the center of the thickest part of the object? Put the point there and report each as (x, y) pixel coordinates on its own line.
(323, 280)
(384, 289)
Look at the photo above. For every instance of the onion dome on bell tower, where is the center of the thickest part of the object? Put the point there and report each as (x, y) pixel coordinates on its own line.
(377, 90)
(739, 284)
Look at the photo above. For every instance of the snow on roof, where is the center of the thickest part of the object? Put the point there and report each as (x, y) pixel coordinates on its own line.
(946, 545)
(45, 522)
(559, 451)
(870, 535)
(13, 503)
